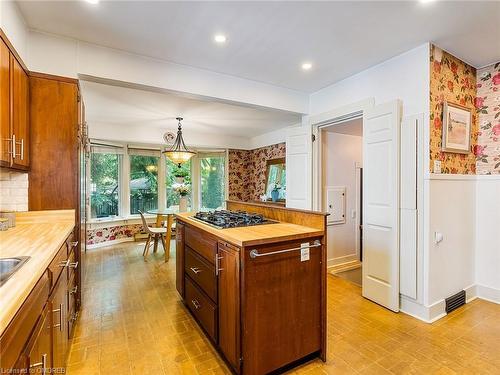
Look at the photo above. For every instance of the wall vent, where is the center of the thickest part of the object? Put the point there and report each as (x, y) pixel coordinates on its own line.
(455, 301)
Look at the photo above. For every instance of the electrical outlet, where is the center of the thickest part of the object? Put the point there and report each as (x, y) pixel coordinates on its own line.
(304, 251)
(437, 166)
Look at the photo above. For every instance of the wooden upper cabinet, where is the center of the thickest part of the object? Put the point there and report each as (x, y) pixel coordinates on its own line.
(5, 129)
(14, 111)
(20, 117)
(54, 165)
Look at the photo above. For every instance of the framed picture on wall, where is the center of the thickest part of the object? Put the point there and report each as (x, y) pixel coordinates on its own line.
(456, 128)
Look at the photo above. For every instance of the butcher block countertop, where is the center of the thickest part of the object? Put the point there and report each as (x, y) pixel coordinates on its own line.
(39, 235)
(256, 234)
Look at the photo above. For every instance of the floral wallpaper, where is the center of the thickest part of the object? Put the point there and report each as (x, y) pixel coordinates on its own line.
(488, 108)
(247, 171)
(95, 236)
(454, 81)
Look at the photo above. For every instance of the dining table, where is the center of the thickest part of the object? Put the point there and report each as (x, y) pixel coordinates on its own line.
(164, 216)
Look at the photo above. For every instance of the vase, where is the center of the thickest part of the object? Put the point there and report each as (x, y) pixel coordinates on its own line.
(183, 204)
(275, 194)
(179, 180)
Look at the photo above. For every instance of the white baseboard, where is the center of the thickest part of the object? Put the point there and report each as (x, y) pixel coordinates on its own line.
(333, 262)
(109, 243)
(347, 266)
(487, 293)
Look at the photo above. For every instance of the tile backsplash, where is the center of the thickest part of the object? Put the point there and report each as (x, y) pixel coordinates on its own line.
(13, 190)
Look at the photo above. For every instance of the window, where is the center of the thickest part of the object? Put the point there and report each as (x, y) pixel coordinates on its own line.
(185, 172)
(143, 182)
(212, 181)
(104, 182)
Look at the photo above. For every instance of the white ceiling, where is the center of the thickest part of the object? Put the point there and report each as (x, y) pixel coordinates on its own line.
(123, 106)
(351, 127)
(268, 41)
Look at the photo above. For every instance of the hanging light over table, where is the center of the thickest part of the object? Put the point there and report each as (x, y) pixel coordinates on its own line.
(179, 153)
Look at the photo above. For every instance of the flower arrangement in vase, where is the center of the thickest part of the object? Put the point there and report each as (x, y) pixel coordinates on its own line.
(183, 190)
(275, 193)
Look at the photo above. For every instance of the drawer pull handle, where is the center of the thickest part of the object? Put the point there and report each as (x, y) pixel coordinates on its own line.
(74, 290)
(73, 265)
(60, 311)
(64, 263)
(42, 364)
(195, 269)
(196, 304)
(74, 316)
(74, 244)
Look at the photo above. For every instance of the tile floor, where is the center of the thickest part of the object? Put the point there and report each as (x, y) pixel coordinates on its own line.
(133, 323)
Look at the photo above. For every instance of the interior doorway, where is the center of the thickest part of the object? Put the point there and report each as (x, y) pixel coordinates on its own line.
(342, 196)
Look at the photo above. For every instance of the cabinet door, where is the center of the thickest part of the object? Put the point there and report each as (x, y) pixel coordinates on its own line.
(20, 120)
(229, 303)
(39, 348)
(179, 258)
(59, 327)
(5, 144)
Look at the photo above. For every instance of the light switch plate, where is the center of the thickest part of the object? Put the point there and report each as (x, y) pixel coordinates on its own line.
(437, 166)
(304, 252)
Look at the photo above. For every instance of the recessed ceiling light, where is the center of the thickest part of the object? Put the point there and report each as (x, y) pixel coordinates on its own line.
(426, 1)
(220, 38)
(92, 1)
(306, 66)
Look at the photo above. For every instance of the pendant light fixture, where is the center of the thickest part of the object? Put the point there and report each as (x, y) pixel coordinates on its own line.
(179, 153)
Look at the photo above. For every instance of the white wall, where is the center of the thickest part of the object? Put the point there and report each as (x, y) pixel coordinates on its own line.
(62, 56)
(452, 213)
(13, 25)
(487, 257)
(341, 152)
(404, 77)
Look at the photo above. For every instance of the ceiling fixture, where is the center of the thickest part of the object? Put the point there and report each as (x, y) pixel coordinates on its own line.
(306, 66)
(92, 1)
(220, 38)
(179, 153)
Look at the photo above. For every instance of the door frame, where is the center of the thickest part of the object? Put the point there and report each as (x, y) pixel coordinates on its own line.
(319, 121)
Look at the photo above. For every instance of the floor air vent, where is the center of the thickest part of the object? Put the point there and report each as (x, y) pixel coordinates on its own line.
(455, 301)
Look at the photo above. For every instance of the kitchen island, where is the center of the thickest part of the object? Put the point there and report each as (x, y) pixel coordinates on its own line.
(258, 292)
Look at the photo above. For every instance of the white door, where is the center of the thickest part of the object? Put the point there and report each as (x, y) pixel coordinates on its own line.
(299, 167)
(381, 147)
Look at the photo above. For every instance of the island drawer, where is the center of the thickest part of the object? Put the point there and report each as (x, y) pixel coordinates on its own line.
(201, 242)
(201, 272)
(202, 308)
(58, 264)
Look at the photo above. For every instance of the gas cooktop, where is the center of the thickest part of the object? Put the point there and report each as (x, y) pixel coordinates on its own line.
(222, 219)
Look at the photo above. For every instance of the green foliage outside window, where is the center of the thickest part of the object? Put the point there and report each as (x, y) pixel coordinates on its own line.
(143, 183)
(104, 188)
(212, 182)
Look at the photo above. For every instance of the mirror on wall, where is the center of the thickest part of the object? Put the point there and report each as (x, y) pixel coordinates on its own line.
(276, 180)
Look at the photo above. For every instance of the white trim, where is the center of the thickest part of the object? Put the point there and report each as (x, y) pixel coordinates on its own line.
(109, 243)
(447, 176)
(488, 294)
(487, 177)
(317, 122)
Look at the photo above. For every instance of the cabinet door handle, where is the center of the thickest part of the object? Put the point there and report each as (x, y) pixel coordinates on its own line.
(74, 244)
(13, 146)
(60, 311)
(74, 317)
(196, 304)
(42, 364)
(73, 265)
(217, 269)
(74, 290)
(195, 270)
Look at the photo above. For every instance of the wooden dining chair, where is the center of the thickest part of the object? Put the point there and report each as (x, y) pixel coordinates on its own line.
(157, 234)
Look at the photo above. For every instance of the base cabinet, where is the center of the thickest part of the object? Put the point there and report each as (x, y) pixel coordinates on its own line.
(39, 349)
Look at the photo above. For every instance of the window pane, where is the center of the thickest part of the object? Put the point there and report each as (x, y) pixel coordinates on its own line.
(104, 186)
(143, 183)
(172, 171)
(212, 182)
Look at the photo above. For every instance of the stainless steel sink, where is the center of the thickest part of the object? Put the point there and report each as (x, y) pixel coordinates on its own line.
(9, 266)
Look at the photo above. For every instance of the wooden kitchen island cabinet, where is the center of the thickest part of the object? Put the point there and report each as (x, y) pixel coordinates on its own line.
(260, 302)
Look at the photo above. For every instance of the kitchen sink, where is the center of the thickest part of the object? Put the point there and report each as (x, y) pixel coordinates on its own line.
(9, 266)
